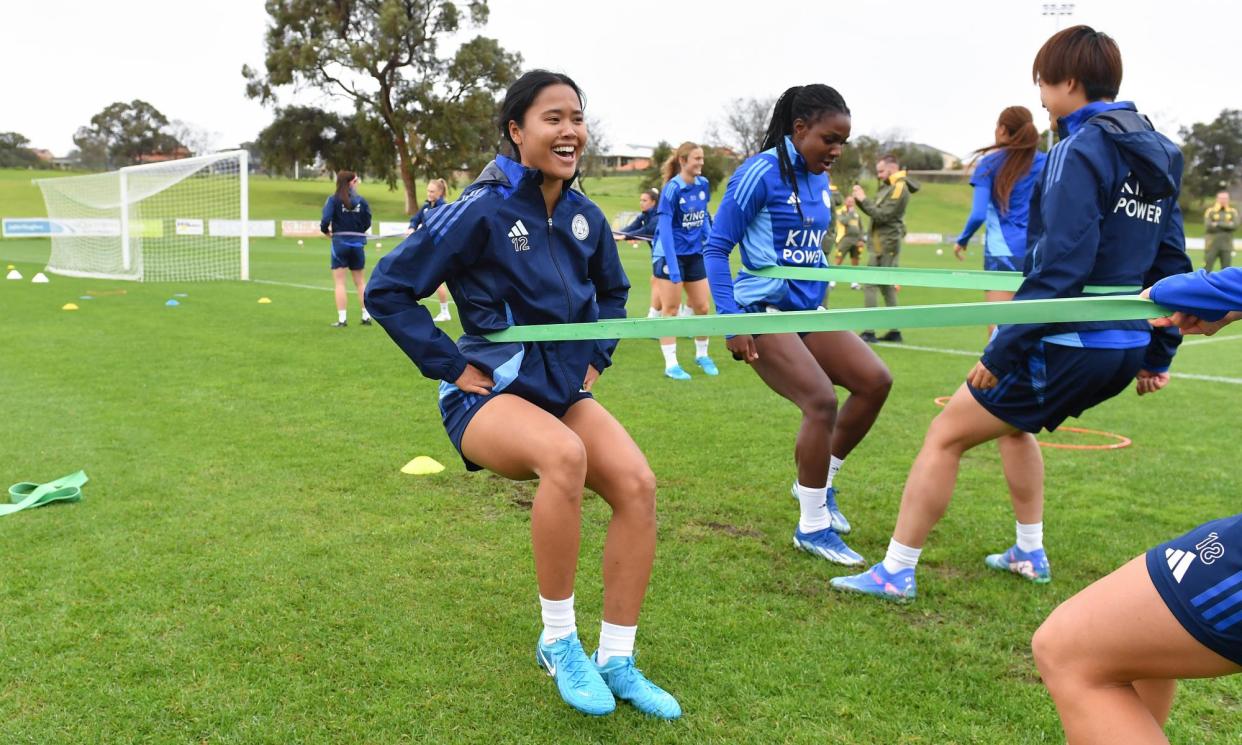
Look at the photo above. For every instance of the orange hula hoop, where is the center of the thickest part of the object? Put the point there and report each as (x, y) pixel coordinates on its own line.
(1121, 441)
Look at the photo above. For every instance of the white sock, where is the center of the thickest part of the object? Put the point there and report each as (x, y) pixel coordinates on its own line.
(700, 347)
(366, 315)
(670, 355)
(900, 556)
(814, 508)
(558, 618)
(682, 310)
(340, 316)
(615, 641)
(1030, 537)
(834, 465)
(653, 312)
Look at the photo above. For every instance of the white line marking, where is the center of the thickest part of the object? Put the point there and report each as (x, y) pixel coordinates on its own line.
(291, 284)
(1211, 340)
(963, 353)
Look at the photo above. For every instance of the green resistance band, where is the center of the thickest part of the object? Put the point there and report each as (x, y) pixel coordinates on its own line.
(849, 319)
(27, 495)
(954, 279)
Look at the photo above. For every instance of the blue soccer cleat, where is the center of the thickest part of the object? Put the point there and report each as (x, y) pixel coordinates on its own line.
(676, 373)
(1032, 565)
(826, 544)
(577, 678)
(839, 523)
(899, 587)
(628, 683)
(709, 367)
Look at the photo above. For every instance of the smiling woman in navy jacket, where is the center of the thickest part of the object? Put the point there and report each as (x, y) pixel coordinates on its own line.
(519, 247)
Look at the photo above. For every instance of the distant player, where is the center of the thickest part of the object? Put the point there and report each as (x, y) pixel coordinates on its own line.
(778, 208)
(643, 227)
(1003, 181)
(519, 247)
(1104, 212)
(346, 220)
(682, 230)
(436, 189)
(1112, 654)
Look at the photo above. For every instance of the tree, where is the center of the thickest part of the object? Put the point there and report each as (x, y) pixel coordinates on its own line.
(1213, 154)
(652, 178)
(297, 135)
(745, 124)
(597, 145)
(15, 154)
(197, 140)
(384, 56)
(123, 133)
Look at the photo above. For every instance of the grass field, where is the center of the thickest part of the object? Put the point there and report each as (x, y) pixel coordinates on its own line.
(249, 566)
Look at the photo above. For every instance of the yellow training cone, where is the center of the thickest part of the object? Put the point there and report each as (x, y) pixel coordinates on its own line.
(265, 301)
(68, 306)
(422, 466)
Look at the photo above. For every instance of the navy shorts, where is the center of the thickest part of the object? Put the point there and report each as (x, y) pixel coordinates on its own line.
(1059, 382)
(1002, 263)
(690, 265)
(1199, 576)
(353, 257)
(458, 407)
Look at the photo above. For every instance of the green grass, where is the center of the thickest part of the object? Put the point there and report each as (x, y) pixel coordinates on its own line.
(248, 564)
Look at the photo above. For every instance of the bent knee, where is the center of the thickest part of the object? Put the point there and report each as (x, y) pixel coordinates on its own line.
(563, 461)
(821, 406)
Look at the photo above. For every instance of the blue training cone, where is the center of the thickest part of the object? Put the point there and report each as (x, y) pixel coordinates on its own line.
(172, 302)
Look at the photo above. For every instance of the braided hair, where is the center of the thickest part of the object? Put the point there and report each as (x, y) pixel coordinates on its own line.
(805, 102)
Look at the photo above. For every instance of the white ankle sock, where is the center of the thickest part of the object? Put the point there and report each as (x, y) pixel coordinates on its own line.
(670, 355)
(558, 618)
(900, 556)
(834, 465)
(653, 312)
(700, 347)
(366, 315)
(1030, 537)
(615, 641)
(814, 508)
(340, 316)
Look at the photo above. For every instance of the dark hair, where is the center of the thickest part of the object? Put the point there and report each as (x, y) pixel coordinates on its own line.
(520, 96)
(1020, 152)
(891, 157)
(343, 180)
(653, 194)
(1080, 53)
(805, 102)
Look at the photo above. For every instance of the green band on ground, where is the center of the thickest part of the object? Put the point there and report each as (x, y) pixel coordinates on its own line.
(28, 495)
(953, 279)
(849, 319)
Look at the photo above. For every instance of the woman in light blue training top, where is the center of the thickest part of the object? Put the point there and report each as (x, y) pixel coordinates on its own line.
(1003, 181)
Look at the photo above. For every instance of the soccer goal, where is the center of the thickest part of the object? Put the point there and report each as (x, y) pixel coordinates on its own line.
(176, 221)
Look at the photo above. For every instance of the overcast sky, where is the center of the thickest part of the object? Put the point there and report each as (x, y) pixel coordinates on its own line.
(938, 72)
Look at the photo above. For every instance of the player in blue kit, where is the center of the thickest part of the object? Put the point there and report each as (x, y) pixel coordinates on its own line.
(643, 227)
(346, 220)
(436, 189)
(778, 208)
(519, 247)
(1104, 212)
(1003, 181)
(681, 231)
(1111, 655)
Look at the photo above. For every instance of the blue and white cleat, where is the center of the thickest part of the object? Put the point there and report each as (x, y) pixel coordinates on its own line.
(709, 367)
(826, 544)
(629, 684)
(1031, 565)
(676, 373)
(839, 523)
(899, 587)
(577, 678)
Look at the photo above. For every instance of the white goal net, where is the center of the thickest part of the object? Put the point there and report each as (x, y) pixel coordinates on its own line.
(180, 220)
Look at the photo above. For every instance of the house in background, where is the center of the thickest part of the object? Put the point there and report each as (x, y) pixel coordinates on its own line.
(628, 158)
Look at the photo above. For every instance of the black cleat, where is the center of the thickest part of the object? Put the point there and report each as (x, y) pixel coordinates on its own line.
(868, 336)
(339, 325)
(893, 336)
(366, 322)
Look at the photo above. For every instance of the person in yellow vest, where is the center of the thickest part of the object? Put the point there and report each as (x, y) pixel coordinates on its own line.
(850, 240)
(888, 227)
(1219, 222)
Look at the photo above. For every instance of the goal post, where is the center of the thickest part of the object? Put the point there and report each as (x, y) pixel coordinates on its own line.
(173, 221)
